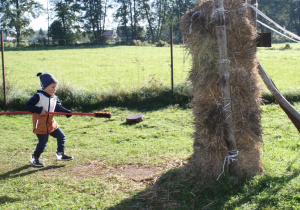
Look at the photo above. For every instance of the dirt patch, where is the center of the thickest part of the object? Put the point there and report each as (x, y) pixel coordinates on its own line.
(134, 172)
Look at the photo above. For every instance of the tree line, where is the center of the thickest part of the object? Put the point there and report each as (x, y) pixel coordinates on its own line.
(72, 19)
(137, 19)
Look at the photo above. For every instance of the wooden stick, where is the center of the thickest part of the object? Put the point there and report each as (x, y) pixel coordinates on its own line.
(96, 114)
(224, 70)
(292, 113)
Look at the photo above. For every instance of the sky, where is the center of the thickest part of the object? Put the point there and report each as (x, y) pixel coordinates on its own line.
(42, 21)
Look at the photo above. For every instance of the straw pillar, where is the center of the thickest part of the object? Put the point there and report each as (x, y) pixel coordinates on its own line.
(226, 106)
(224, 71)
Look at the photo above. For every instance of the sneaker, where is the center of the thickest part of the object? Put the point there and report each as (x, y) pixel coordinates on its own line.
(36, 162)
(60, 156)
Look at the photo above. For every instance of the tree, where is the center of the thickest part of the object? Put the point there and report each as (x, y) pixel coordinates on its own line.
(57, 33)
(178, 8)
(41, 32)
(294, 15)
(122, 14)
(284, 12)
(129, 16)
(16, 16)
(134, 12)
(66, 13)
(160, 14)
(94, 16)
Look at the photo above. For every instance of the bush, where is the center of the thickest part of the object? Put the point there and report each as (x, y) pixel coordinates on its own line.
(161, 43)
(287, 47)
(137, 42)
(9, 45)
(140, 43)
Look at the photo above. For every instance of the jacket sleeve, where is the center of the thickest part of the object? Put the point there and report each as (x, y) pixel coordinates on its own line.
(60, 108)
(31, 104)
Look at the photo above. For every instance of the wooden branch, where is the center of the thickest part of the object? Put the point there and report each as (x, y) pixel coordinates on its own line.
(224, 71)
(292, 113)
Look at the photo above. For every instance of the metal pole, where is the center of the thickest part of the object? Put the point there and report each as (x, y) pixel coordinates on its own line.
(3, 68)
(172, 65)
(48, 23)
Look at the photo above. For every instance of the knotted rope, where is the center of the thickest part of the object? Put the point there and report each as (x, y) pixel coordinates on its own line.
(232, 154)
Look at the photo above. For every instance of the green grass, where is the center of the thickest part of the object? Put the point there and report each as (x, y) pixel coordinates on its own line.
(283, 67)
(98, 69)
(117, 164)
(103, 70)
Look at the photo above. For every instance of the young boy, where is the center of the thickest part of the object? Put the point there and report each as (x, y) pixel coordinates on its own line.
(44, 124)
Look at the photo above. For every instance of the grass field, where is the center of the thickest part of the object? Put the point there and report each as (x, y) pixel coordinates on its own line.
(97, 69)
(116, 165)
(103, 69)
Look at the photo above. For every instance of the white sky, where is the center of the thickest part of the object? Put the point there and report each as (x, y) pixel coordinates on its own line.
(42, 21)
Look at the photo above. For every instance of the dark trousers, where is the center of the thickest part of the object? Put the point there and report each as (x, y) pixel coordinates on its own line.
(43, 139)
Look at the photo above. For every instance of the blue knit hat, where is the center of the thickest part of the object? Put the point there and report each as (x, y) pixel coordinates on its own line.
(46, 79)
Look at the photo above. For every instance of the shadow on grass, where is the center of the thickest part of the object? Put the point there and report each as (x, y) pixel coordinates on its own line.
(5, 199)
(17, 172)
(179, 189)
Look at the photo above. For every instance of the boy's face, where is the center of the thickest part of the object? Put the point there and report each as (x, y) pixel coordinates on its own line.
(51, 89)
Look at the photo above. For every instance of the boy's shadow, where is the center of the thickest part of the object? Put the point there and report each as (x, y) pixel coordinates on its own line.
(16, 172)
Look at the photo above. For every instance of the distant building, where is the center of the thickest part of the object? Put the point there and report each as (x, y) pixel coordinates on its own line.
(33, 38)
(110, 35)
(7, 38)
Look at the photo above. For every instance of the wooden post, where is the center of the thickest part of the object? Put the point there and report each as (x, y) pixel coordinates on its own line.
(172, 65)
(3, 68)
(253, 13)
(224, 71)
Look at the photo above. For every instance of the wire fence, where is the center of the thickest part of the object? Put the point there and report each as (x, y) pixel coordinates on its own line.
(102, 71)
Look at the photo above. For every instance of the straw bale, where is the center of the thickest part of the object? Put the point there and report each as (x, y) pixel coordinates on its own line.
(198, 29)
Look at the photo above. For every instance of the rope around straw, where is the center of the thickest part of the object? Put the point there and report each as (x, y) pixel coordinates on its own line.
(232, 154)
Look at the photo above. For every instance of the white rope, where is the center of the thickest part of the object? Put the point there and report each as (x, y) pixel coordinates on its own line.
(224, 61)
(227, 107)
(192, 20)
(272, 21)
(277, 31)
(232, 154)
(221, 9)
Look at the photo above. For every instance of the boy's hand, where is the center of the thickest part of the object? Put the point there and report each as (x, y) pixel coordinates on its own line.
(43, 112)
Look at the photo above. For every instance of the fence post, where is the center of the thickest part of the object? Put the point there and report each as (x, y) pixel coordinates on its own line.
(224, 71)
(172, 65)
(3, 69)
